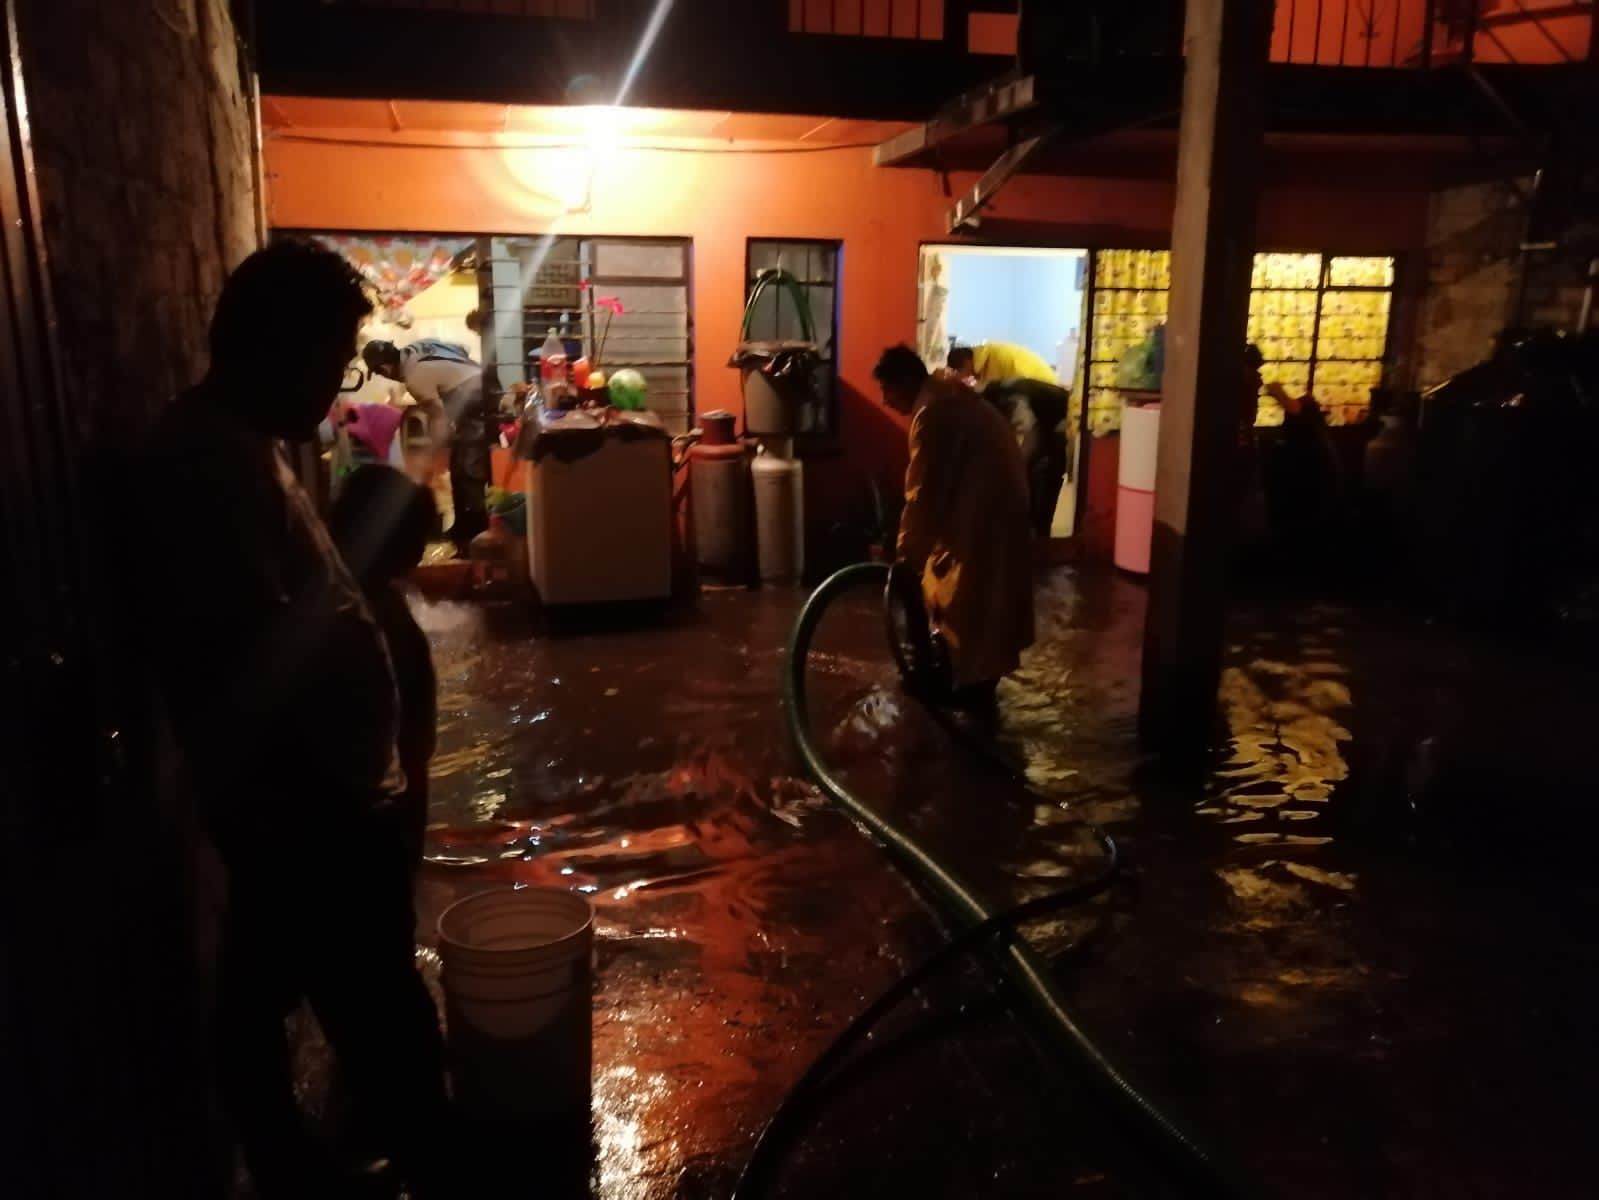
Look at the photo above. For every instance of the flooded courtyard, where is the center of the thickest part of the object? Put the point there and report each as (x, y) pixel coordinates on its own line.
(1352, 953)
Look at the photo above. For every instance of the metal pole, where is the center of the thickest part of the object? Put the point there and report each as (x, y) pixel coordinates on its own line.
(1220, 144)
(1585, 315)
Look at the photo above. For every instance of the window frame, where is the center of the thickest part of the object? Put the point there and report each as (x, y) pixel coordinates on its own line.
(1346, 414)
(482, 252)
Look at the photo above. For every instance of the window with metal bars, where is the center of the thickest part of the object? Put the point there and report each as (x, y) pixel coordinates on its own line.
(815, 267)
(1321, 322)
(533, 285)
(912, 20)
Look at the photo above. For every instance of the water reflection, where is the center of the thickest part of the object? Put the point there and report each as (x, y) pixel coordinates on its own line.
(740, 922)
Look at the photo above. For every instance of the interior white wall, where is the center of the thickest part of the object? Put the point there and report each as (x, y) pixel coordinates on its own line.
(1033, 299)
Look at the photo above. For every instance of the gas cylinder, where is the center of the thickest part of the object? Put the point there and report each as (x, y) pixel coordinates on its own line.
(719, 485)
(779, 516)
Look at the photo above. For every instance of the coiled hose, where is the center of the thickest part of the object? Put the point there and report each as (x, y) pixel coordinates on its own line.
(1187, 1162)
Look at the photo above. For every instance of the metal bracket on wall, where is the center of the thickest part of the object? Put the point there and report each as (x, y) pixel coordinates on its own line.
(1007, 165)
(1008, 96)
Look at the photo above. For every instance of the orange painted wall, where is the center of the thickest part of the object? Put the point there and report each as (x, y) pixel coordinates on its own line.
(719, 199)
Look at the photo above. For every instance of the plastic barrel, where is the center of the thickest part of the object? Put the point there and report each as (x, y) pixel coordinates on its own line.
(517, 984)
(1135, 487)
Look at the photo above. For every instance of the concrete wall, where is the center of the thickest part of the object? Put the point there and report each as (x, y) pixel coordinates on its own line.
(141, 138)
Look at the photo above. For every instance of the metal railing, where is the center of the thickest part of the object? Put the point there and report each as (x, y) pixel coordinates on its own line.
(1425, 33)
(574, 10)
(916, 20)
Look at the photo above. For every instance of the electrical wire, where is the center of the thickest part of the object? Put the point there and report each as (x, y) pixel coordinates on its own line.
(1197, 1170)
(648, 147)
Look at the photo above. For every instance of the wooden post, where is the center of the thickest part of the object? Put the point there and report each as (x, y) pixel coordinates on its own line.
(1213, 243)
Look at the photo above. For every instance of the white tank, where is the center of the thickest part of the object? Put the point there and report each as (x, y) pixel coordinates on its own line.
(1135, 487)
(779, 517)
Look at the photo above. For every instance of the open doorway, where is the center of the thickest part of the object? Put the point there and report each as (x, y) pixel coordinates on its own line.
(1028, 302)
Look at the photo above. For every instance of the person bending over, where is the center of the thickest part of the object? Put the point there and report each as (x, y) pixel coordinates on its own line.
(450, 388)
(964, 530)
(990, 362)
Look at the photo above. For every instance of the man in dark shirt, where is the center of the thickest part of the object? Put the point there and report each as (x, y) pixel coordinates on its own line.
(1037, 412)
(282, 700)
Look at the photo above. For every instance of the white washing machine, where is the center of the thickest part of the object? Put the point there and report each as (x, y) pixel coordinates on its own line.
(599, 507)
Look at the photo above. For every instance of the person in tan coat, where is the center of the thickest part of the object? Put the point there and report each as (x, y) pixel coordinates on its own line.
(965, 525)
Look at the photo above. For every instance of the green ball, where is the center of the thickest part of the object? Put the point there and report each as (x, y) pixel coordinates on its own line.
(627, 390)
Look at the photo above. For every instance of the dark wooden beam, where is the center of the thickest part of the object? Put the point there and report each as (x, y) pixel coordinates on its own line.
(1220, 148)
(999, 100)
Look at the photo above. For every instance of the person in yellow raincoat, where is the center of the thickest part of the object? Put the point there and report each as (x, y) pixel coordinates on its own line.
(965, 525)
(992, 362)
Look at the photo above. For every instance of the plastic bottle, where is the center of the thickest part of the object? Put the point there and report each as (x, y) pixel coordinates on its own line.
(572, 345)
(552, 362)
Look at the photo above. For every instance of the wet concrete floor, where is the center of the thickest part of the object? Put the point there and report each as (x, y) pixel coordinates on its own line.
(1356, 952)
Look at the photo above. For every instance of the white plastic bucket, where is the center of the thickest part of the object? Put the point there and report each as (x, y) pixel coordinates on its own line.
(517, 997)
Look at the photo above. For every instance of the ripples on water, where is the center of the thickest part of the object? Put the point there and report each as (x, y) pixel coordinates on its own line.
(649, 771)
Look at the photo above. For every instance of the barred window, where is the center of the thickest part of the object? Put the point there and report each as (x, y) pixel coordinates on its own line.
(535, 284)
(815, 267)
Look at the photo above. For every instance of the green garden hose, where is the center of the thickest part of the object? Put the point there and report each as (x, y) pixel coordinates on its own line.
(1186, 1161)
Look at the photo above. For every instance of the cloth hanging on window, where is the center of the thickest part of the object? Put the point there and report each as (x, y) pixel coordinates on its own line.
(399, 268)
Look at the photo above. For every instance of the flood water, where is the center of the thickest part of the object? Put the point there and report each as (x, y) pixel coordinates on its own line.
(1354, 953)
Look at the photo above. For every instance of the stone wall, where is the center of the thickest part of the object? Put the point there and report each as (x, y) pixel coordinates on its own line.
(144, 142)
(141, 134)
(1552, 290)
(1477, 281)
(1474, 236)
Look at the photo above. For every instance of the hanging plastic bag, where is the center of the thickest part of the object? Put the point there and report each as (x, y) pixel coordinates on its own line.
(1139, 368)
(789, 366)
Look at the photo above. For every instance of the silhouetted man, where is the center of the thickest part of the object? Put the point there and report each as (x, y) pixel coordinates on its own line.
(283, 704)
